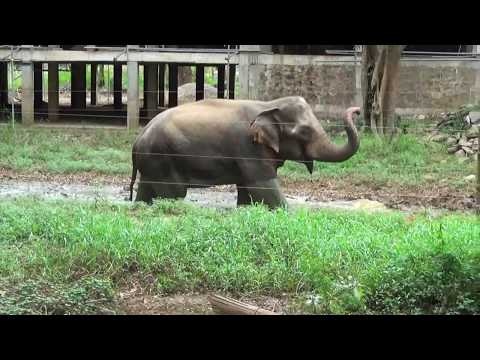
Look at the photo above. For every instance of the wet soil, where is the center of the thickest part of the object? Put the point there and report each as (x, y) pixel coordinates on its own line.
(316, 194)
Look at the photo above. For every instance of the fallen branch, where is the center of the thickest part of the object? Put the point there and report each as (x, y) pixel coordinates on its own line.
(226, 306)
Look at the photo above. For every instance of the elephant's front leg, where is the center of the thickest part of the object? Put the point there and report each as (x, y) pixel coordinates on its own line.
(267, 191)
(243, 197)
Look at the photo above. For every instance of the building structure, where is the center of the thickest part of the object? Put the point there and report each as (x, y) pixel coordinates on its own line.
(432, 77)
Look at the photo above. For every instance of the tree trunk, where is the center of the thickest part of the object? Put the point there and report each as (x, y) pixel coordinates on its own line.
(380, 69)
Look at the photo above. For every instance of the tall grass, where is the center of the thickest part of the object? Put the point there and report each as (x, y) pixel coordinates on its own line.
(349, 262)
(408, 159)
(66, 151)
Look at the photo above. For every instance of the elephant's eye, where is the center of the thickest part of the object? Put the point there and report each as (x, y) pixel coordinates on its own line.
(303, 132)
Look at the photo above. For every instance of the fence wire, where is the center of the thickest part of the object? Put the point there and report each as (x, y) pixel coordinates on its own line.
(408, 128)
(415, 129)
(202, 185)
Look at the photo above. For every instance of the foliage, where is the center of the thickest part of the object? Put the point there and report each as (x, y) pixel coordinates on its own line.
(39, 297)
(456, 120)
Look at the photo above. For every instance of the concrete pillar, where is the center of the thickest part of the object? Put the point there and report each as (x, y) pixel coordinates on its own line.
(3, 84)
(117, 86)
(93, 84)
(161, 85)
(358, 79)
(244, 70)
(27, 94)
(37, 84)
(475, 90)
(133, 103)
(172, 85)
(53, 97)
(249, 71)
(79, 85)
(151, 89)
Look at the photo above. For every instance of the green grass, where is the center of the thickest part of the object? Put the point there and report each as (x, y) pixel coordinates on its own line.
(73, 253)
(66, 151)
(407, 160)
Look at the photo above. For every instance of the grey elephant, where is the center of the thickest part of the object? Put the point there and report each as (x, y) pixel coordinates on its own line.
(242, 142)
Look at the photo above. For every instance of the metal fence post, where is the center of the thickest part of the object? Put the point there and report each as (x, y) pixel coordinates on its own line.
(478, 174)
(12, 80)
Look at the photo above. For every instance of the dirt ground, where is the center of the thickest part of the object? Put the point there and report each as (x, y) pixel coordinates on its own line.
(134, 301)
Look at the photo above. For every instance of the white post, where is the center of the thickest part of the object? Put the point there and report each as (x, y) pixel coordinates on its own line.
(53, 99)
(248, 70)
(27, 94)
(133, 108)
(358, 76)
(475, 90)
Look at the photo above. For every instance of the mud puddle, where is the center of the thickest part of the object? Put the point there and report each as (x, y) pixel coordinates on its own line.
(215, 197)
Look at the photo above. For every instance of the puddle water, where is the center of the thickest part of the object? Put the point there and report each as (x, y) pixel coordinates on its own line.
(201, 197)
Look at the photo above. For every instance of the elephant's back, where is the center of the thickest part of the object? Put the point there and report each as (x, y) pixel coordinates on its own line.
(198, 119)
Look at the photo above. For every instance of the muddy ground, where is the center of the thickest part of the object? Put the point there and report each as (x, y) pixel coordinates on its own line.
(220, 197)
(316, 194)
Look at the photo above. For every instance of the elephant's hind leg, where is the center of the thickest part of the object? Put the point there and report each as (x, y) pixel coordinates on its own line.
(166, 190)
(267, 192)
(145, 192)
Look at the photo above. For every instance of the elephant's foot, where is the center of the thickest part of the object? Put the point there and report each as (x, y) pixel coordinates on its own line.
(145, 193)
(170, 191)
(148, 190)
(267, 192)
(243, 197)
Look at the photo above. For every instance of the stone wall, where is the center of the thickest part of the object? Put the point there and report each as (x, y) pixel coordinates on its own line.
(324, 87)
(436, 87)
(425, 85)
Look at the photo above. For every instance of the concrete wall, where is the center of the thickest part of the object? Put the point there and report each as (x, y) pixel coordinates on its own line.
(326, 87)
(330, 85)
(442, 85)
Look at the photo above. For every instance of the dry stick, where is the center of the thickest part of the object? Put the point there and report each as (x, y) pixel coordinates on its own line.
(226, 306)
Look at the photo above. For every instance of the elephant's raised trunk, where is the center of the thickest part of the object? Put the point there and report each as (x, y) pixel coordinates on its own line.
(324, 150)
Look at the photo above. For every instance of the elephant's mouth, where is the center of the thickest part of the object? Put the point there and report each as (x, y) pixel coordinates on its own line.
(307, 161)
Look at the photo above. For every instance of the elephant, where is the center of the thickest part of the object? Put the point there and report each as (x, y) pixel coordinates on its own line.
(243, 142)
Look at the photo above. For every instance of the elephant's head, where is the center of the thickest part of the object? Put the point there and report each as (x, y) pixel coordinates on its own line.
(289, 127)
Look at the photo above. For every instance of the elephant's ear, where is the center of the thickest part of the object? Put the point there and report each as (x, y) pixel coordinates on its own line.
(266, 130)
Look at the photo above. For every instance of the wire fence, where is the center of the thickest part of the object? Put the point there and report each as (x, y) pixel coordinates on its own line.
(115, 113)
(71, 112)
(419, 169)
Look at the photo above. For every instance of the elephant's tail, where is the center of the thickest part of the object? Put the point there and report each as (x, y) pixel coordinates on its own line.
(134, 174)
